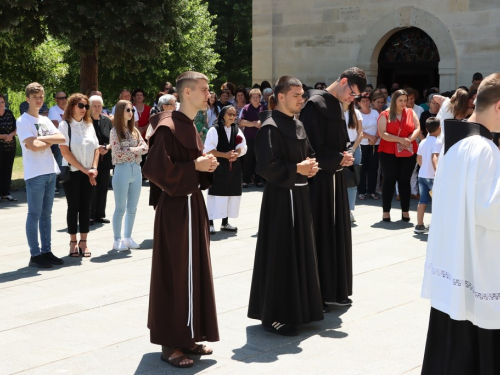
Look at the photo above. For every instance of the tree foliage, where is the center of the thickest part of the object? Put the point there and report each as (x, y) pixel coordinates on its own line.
(234, 40)
(189, 46)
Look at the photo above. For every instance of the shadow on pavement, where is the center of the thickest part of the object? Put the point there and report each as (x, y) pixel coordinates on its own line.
(28, 271)
(392, 225)
(111, 255)
(152, 364)
(266, 347)
(222, 235)
(146, 245)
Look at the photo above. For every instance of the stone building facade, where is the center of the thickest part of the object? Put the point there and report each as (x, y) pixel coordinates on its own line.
(315, 40)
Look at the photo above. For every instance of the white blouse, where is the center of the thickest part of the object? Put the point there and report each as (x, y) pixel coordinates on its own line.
(353, 133)
(212, 140)
(84, 142)
(370, 125)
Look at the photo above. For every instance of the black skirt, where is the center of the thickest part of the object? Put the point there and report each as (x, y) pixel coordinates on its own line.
(457, 347)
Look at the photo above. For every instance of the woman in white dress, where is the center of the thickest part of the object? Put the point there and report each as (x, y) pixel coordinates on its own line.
(226, 142)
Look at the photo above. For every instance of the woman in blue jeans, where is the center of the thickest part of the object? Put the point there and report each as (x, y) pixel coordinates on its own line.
(354, 123)
(127, 147)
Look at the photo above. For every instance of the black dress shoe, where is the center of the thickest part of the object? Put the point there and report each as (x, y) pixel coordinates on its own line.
(282, 329)
(103, 220)
(52, 259)
(345, 302)
(326, 308)
(40, 262)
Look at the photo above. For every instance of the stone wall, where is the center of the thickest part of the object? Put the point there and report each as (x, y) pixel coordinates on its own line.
(316, 40)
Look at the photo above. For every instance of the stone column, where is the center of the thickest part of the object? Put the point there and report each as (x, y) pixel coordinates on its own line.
(262, 40)
(447, 76)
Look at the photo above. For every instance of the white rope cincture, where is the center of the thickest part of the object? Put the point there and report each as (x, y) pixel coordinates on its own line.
(291, 200)
(190, 268)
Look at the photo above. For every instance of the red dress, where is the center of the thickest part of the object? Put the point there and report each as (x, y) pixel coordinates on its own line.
(144, 120)
(393, 128)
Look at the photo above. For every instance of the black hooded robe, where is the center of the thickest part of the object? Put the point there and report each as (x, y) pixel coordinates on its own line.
(324, 123)
(285, 284)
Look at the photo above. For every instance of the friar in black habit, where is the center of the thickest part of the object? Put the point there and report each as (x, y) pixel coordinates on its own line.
(324, 122)
(285, 286)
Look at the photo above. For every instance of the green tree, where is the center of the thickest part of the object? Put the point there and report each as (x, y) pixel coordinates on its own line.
(109, 32)
(234, 40)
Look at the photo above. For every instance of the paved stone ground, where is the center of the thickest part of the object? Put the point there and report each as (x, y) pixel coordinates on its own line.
(89, 316)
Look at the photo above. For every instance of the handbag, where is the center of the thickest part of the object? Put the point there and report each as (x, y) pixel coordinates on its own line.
(402, 151)
(352, 175)
(66, 169)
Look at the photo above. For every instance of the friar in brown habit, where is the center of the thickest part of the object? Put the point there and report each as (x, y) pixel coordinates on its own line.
(182, 302)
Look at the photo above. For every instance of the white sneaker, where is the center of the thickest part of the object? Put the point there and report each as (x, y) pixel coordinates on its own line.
(120, 246)
(229, 228)
(131, 244)
(212, 229)
(352, 218)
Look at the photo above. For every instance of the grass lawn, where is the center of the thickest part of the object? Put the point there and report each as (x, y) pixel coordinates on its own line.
(17, 173)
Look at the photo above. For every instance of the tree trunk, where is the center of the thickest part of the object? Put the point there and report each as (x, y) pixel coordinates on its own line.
(88, 70)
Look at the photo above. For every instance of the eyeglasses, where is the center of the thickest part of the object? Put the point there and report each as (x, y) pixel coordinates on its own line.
(130, 109)
(353, 94)
(62, 98)
(82, 106)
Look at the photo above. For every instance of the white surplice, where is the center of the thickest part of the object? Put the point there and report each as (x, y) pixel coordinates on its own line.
(462, 268)
(220, 207)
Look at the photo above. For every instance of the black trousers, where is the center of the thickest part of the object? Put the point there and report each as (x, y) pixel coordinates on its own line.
(249, 163)
(78, 195)
(396, 170)
(6, 163)
(369, 169)
(457, 347)
(100, 192)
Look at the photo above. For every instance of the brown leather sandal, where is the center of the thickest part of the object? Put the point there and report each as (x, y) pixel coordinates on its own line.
(198, 350)
(176, 362)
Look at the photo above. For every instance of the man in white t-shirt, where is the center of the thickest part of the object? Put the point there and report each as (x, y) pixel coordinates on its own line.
(36, 134)
(427, 155)
(56, 113)
(125, 95)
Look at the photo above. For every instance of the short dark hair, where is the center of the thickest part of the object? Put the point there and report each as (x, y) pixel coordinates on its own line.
(138, 90)
(432, 124)
(412, 91)
(477, 76)
(284, 84)
(188, 79)
(355, 76)
(488, 92)
(369, 85)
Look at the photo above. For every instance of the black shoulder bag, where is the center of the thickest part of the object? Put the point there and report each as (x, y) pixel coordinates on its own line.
(65, 169)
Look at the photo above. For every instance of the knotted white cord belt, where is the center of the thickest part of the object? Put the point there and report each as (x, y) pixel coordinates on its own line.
(291, 200)
(190, 268)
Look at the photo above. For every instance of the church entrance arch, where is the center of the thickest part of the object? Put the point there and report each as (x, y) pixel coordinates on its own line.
(411, 58)
(405, 18)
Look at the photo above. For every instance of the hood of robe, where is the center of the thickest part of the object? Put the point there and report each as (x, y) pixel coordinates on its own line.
(324, 101)
(182, 128)
(289, 126)
(456, 130)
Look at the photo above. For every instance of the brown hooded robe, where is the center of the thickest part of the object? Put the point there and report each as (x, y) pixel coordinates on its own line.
(174, 146)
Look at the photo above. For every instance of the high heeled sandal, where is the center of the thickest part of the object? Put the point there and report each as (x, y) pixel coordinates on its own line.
(85, 254)
(74, 254)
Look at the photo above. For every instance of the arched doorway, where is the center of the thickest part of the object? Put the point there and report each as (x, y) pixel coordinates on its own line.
(402, 19)
(411, 58)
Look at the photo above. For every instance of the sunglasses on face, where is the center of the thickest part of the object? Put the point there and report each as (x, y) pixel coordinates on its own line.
(82, 106)
(130, 109)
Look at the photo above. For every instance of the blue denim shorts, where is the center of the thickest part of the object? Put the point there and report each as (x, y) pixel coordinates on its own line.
(424, 187)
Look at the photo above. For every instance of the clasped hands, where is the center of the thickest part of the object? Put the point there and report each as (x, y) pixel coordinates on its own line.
(404, 141)
(206, 163)
(231, 155)
(308, 167)
(347, 160)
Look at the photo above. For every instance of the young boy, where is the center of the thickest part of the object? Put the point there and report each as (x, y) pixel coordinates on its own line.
(428, 152)
(36, 134)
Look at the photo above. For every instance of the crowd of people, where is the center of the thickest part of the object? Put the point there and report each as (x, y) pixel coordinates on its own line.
(316, 151)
